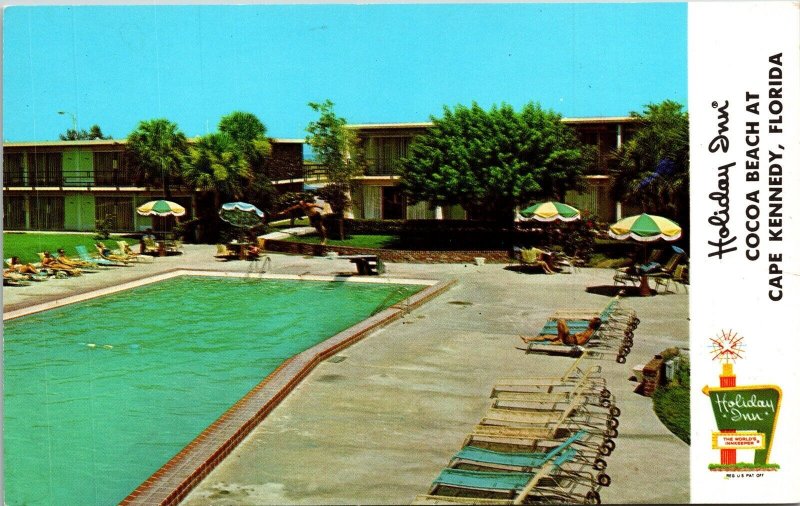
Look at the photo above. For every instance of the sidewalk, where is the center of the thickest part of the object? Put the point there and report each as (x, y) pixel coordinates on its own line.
(376, 424)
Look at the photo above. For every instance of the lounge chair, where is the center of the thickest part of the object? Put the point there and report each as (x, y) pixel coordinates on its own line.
(105, 252)
(548, 483)
(174, 247)
(41, 275)
(679, 277)
(524, 461)
(537, 258)
(150, 246)
(125, 249)
(83, 254)
(223, 253)
(53, 265)
(13, 278)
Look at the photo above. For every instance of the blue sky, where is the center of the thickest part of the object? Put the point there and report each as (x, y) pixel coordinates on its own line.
(115, 66)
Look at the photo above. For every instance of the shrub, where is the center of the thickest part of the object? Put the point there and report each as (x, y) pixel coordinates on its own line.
(103, 227)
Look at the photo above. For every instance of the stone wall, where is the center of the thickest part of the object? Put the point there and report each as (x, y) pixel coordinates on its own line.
(387, 255)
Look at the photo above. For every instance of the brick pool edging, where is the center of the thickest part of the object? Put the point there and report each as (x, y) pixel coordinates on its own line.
(170, 484)
(387, 255)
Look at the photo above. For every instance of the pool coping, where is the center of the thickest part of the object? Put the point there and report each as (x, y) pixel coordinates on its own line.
(176, 478)
(100, 292)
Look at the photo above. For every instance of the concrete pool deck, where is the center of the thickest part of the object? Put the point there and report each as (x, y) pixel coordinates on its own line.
(377, 422)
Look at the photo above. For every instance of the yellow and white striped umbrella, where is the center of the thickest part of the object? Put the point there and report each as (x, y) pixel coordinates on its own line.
(161, 208)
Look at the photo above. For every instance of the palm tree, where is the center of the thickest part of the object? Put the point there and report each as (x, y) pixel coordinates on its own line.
(654, 163)
(250, 136)
(158, 148)
(215, 165)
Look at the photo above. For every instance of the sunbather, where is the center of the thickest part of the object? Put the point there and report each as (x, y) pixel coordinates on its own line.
(51, 263)
(21, 268)
(105, 252)
(564, 337)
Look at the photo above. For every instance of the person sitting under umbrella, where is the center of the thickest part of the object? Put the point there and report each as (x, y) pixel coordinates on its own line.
(312, 210)
(564, 337)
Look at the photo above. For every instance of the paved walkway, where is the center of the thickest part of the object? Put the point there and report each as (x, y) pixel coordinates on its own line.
(376, 424)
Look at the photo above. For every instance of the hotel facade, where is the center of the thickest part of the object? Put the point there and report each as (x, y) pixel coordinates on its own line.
(68, 185)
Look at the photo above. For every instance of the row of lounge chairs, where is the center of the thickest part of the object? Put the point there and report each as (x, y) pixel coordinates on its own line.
(613, 337)
(541, 440)
(674, 271)
(64, 266)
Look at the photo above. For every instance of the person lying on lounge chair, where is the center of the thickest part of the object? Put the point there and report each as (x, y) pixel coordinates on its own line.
(21, 268)
(564, 337)
(51, 263)
(62, 258)
(105, 252)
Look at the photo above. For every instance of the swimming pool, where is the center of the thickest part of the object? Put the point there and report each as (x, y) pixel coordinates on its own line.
(100, 394)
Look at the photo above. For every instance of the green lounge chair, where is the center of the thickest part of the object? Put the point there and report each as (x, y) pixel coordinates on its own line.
(83, 254)
(524, 460)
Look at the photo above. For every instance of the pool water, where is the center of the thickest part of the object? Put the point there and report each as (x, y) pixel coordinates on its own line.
(99, 395)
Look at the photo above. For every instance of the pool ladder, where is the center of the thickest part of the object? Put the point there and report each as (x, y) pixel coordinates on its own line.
(259, 269)
(405, 306)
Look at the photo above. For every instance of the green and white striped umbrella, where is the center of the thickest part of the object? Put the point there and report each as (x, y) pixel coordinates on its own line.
(645, 228)
(551, 211)
(161, 208)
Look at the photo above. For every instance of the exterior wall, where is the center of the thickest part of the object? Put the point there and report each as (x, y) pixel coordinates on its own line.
(285, 161)
(384, 145)
(596, 198)
(57, 185)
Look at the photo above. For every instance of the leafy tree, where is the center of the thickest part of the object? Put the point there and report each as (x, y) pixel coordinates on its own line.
(250, 137)
(336, 148)
(215, 165)
(243, 127)
(158, 148)
(82, 135)
(653, 168)
(490, 161)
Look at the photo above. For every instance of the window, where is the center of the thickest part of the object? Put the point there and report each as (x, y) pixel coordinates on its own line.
(109, 169)
(14, 212)
(47, 213)
(383, 154)
(13, 169)
(44, 169)
(120, 209)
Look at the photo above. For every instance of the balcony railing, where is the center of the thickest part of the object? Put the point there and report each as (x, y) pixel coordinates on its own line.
(74, 179)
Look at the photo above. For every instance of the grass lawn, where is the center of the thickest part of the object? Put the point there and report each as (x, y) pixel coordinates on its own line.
(671, 404)
(27, 245)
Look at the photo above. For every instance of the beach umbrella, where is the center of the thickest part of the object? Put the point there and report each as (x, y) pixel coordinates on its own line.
(241, 214)
(161, 208)
(645, 228)
(550, 211)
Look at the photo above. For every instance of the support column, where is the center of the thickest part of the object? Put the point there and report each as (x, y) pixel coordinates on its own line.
(438, 213)
(727, 379)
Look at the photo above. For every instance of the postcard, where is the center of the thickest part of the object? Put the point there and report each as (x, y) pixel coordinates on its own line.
(400, 253)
